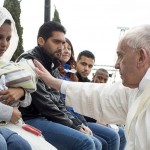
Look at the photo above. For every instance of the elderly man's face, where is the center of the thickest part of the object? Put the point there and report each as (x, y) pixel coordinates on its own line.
(127, 63)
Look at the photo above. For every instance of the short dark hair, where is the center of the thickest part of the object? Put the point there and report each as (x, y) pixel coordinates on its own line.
(45, 31)
(7, 21)
(86, 53)
(103, 70)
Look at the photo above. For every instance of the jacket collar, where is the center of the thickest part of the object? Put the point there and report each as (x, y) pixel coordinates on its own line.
(81, 79)
(49, 62)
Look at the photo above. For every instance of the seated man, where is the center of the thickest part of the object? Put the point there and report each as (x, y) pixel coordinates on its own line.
(47, 111)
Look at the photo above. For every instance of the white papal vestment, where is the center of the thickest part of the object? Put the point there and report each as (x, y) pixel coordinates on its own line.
(115, 104)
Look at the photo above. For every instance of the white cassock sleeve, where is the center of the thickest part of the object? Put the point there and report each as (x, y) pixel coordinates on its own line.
(103, 102)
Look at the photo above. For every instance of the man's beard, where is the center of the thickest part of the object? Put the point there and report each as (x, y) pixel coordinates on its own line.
(57, 55)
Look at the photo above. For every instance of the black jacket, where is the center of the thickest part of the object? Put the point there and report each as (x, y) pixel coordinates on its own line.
(81, 79)
(46, 101)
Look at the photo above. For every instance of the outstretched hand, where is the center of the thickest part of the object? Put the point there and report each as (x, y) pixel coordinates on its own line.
(46, 76)
(40, 70)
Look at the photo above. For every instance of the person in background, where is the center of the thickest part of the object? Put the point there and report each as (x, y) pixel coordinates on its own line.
(9, 114)
(101, 76)
(109, 138)
(47, 111)
(118, 103)
(85, 63)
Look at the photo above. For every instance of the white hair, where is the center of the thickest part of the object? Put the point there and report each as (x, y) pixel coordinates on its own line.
(138, 37)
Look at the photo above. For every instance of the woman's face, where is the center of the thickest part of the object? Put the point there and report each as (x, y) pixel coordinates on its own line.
(66, 53)
(5, 36)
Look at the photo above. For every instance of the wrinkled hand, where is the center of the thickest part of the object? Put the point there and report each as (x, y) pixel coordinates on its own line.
(46, 76)
(86, 130)
(41, 71)
(16, 115)
(11, 95)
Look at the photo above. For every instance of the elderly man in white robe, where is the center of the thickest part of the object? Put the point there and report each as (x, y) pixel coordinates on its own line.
(127, 104)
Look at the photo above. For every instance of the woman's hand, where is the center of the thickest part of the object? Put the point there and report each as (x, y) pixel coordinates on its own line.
(11, 95)
(86, 130)
(16, 115)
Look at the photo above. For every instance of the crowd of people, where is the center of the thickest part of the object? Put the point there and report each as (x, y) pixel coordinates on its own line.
(45, 106)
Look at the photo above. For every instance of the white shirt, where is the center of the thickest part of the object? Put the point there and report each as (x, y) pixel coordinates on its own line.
(115, 104)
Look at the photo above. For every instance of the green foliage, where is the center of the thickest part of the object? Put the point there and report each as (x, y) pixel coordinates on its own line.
(13, 6)
(56, 16)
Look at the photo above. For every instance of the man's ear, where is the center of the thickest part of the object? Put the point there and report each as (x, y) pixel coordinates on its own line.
(41, 41)
(142, 57)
